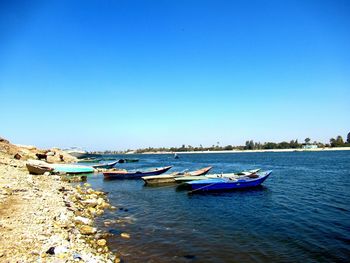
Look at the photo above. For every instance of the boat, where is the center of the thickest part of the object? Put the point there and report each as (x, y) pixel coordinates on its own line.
(213, 176)
(170, 178)
(76, 152)
(89, 160)
(128, 160)
(105, 165)
(176, 156)
(38, 168)
(123, 174)
(227, 184)
(72, 169)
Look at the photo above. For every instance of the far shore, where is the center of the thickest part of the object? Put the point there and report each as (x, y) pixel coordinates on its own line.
(259, 151)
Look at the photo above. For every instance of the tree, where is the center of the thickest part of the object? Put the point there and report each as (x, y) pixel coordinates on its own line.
(340, 141)
(307, 140)
(332, 142)
(348, 138)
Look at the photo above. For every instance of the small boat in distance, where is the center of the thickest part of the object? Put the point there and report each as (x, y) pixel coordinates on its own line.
(176, 156)
(128, 160)
(227, 184)
(105, 165)
(123, 174)
(170, 178)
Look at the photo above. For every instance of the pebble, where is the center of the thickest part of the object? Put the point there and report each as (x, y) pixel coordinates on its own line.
(101, 242)
(125, 235)
(87, 230)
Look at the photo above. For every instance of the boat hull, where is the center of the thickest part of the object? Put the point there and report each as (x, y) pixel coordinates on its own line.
(134, 175)
(73, 169)
(171, 178)
(225, 184)
(38, 170)
(105, 165)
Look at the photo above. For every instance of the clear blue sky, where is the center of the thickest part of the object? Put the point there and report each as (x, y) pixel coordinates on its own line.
(130, 74)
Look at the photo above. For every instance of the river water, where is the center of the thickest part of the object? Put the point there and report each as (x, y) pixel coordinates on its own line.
(300, 214)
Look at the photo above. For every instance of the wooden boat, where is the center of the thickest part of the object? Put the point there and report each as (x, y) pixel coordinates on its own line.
(170, 178)
(105, 165)
(38, 169)
(212, 176)
(123, 174)
(227, 184)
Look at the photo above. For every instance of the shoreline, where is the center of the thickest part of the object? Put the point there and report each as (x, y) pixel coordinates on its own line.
(47, 219)
(257, 151)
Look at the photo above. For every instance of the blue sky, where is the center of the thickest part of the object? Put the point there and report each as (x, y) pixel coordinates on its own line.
(130, 74)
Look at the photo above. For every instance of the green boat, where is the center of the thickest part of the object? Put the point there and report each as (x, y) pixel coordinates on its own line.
(72, 169)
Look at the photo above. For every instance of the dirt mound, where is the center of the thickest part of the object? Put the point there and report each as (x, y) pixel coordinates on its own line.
(23, 152)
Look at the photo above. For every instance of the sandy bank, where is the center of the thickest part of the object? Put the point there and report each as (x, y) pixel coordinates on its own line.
(44, 219)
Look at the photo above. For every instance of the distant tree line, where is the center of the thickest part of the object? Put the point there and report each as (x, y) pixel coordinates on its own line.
(251, 145)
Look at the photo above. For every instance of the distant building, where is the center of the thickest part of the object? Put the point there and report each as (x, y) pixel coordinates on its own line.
(309, 146)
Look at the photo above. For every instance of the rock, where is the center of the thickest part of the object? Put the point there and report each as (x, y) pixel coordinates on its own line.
(101, 242)
(87, 230)
(17, 156)
(4, 140)
(83, 220)
(90, 202)
(47, 173)
(92, 211)
(125, 235)
(117, 260)
(60, 250)
(50, 153)
(51, 251)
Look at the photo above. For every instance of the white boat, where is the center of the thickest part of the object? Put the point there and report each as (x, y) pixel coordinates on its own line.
(76, 152)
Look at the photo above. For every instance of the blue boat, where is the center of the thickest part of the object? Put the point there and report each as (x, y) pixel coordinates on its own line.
(227, 184)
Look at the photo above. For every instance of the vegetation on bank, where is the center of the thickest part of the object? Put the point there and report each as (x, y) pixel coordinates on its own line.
(249, 145)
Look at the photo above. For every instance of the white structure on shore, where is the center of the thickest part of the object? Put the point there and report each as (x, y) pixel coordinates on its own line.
(309, 146)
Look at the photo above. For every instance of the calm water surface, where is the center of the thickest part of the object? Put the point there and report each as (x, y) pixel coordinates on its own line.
(301, 214)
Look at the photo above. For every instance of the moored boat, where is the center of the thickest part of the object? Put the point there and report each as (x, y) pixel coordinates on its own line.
(128, 160)
(227, 184)
(72, 169)
(76, 152)
(170, 178)
(38, 168)
(105, 165)
(123, 174)
(213, 176)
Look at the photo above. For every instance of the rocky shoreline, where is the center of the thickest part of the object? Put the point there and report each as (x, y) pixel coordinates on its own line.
(46, 219)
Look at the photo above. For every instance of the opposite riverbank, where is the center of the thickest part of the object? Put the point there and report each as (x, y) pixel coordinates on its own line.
(259, 151)
(45, 219)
